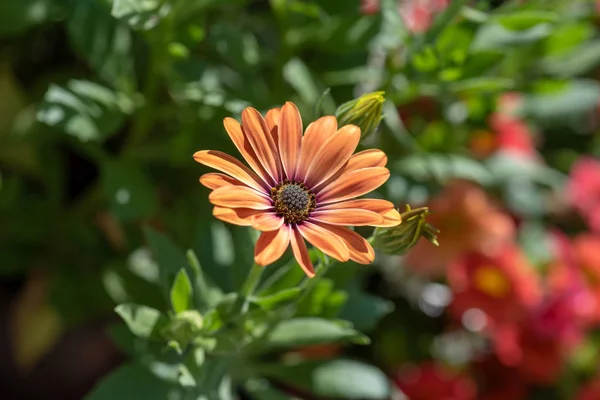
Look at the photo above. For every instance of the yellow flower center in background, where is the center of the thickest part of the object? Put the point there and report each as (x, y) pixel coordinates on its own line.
(293, 201)
(492, 281)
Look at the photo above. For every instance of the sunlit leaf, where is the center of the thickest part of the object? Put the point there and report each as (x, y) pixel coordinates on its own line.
(140, 14)
(275, 300)
(104, 42)
(496, 36)
(84, 109)
(143, 321)
(336, 379)
(181, 292)
(307, 331)
(525, 19)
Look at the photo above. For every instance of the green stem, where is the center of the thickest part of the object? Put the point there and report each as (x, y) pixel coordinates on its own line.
(250, 285)
(310, 284)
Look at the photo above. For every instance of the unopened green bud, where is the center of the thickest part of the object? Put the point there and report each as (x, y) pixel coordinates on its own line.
(184, 327)
(399, 239)
(366, 112)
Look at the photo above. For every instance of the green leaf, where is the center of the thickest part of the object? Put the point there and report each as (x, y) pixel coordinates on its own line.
(128, 189)
(444, 19)
(526, 19)
(571, 98)
(169, 257)
(104, 42)
(84, 109)
(442, 167)
(336, 379)
(363, 309)
(282, 297)
(297, 74)
(140, 14)
(143, 321)
(580, 60)
(181, 292)
(16, 16)
(308, 331)
(323, 300)
(566, 37)
(132, 381)
(482, 84)
(495, 36)
(207, 294)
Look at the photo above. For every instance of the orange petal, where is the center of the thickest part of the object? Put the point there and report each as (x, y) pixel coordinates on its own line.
(315, 135)
(234, 130)
(290, 138)
(391, 216)
(359, 249)
(272, 120)
(239, 197)
(214, 180)
(256, 130)
(325, 240)
(236, 216)
(346, 217)
(267, 222)
(270, 246)
(231, 166)
(354, 184)
(301, 253)
(364, 159)
(332, 156)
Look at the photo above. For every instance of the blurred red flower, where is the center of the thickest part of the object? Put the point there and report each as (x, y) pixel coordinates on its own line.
(583, 190)
(498, 382)
(431, 381)
(504, 286)
(423, 107)
(590, 391)
(468, 220)
(512, 134)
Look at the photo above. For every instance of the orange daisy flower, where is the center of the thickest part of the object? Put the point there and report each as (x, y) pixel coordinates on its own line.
(300, 186)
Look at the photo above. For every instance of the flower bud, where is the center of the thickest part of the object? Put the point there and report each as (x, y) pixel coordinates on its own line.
(184, 327)
(399, 239)
(366, 112)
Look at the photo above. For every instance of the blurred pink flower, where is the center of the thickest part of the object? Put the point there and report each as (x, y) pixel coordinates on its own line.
(468, 221)
(431, 381)
(416, 14)
(583, 190)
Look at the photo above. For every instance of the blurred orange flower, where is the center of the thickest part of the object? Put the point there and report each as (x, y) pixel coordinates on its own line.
(299, 187)
(503, 286)
(468, 221)
(430, 381)
(583, 190)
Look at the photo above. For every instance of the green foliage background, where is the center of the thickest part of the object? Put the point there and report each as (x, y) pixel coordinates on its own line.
(103, 102)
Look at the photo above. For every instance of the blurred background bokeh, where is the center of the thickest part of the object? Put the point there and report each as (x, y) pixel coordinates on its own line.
(491, 120)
